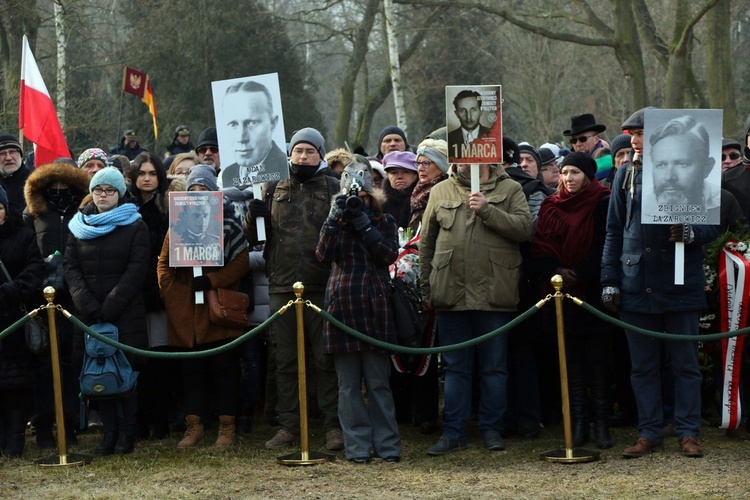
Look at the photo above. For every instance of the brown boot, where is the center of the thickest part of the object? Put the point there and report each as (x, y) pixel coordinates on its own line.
(193, 432)
(226, 431)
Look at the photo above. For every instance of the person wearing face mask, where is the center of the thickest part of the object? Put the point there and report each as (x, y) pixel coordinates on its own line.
(53, 193)
(294, 210)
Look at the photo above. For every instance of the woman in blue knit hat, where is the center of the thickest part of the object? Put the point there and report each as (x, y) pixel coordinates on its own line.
(106, 261)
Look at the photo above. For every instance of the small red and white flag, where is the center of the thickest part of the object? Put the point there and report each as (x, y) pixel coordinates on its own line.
(37, 117)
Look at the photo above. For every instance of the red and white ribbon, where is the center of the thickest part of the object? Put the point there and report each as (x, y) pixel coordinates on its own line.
(734, 281)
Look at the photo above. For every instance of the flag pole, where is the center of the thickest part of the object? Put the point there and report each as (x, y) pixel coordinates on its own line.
(119, 123)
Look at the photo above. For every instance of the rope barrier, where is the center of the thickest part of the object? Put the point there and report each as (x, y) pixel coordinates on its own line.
(366, 338)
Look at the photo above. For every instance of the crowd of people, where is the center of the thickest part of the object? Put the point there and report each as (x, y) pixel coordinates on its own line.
(344, 224)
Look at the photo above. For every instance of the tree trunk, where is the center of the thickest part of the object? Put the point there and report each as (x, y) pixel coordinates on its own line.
(395, 67)
(61, 62)
(719, 66)
(678, 57)
(357, 57)
(628, 51)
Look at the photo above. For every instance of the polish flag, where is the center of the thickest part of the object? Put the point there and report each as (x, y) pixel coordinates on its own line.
(37, 117)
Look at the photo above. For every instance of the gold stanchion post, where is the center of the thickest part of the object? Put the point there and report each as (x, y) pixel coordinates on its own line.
(63, 459)
(305, 456)
(569, 454)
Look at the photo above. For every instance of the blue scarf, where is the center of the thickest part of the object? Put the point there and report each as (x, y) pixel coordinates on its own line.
(88, 227)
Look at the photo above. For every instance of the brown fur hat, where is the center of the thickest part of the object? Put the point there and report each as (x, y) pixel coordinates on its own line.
(46, 175)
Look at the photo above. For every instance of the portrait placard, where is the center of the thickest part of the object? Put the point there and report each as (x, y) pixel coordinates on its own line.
(473, 116)
(681, 166)
(196, 229)
(250, 129)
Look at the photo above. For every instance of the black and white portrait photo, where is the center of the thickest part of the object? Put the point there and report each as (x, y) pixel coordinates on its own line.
(250, 130)
(681, 166)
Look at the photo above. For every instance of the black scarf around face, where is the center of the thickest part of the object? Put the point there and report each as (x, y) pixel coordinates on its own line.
(303, 173)
(61, 199)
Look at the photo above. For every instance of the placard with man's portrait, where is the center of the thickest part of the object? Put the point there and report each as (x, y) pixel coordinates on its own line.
(250, 129)
(474, 123)
(681, 166)
(196, 229)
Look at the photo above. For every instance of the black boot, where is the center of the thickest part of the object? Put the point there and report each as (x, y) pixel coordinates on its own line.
(578, 407)
(107, 446)
(108, 412)
(15, 432)
(127, 416)
(45, 440)
(125, 444)
(602, 406)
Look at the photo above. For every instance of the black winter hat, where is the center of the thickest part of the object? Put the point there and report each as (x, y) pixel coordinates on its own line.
(388, 131)
(9, 141)
(528, 148)
(511, 154)
(207, 138)
(622, 141)
(582, 161)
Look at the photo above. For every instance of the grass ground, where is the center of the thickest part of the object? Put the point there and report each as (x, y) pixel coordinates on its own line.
(158, 470)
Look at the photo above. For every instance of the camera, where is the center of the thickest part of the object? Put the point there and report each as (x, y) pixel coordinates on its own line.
(353, 201)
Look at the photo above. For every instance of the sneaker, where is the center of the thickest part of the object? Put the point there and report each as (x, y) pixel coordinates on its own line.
(282, 439)
(493, 441)
(334, 440)
(446, 445)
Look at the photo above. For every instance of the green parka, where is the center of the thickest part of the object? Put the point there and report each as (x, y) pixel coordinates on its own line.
(471, 261)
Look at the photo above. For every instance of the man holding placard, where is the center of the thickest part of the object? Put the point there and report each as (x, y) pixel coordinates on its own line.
(639, 275)
(294, 210)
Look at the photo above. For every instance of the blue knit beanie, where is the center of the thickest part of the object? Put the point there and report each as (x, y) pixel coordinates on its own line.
(111, 176)
(203, 175)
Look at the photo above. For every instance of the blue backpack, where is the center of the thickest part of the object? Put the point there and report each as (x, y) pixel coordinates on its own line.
(106, 371)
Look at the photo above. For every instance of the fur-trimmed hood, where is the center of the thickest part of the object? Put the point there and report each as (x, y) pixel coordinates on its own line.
(46, 175)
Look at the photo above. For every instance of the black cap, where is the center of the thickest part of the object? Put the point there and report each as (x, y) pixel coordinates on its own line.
(636, 119)
(9, 141)
(207, 138)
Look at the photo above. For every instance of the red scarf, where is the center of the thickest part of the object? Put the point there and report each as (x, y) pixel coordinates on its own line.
(565, 226)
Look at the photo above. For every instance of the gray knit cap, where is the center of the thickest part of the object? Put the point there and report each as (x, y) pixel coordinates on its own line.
(310, 136)
(437, 153)
(203, 175)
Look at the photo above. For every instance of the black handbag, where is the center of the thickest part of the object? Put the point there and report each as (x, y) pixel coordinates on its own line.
(35, 331)
(406, 307)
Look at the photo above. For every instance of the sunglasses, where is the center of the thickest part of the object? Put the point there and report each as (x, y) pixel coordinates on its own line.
(208, 149)
(583, 138)
(734, 155)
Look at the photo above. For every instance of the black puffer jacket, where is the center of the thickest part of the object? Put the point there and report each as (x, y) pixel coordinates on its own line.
(21, 257)
(155, 213)
(105, 276)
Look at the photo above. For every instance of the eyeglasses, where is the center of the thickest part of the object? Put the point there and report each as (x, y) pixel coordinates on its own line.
(583, 138)
(10, 152)
(302, 151)
(423, 164)
(734, 155)
(108, 191)
(208, 149)
(550, 168)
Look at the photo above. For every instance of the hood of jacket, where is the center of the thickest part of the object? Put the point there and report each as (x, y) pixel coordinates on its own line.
(46, 175)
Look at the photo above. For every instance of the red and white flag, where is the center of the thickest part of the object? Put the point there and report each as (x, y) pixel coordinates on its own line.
(37, 117)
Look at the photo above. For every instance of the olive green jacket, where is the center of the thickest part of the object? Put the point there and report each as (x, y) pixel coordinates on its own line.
(471, 260)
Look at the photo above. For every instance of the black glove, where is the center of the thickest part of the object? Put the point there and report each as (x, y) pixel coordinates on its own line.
(200, 283)
(258, 208)
(681, 232)
(341, 201)
(570, 278)
(360, 221)
(611, 299)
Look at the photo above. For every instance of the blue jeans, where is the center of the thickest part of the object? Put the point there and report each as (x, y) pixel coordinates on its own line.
(492, 356)
(372, 425)
(646, 372)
